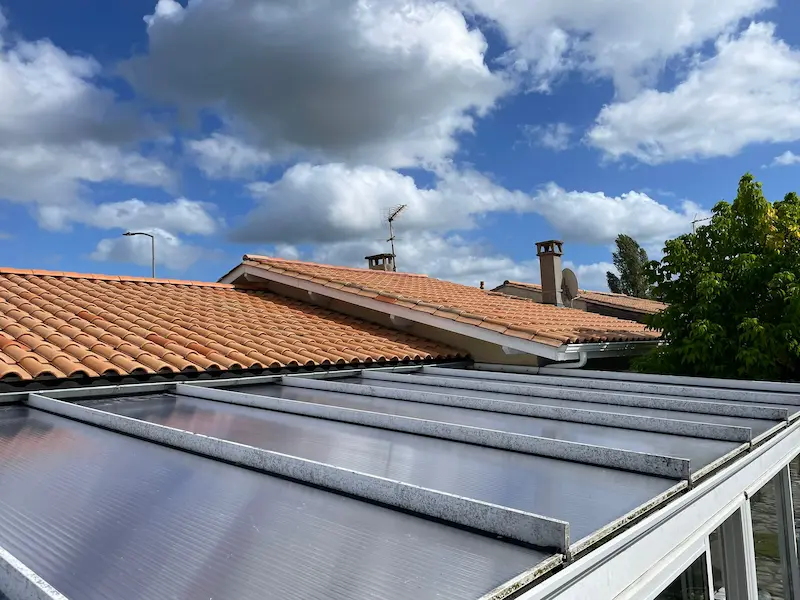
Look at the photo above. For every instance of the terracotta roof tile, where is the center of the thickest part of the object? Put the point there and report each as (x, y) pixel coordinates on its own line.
(642, 305)
(490, 310)
(71, 325)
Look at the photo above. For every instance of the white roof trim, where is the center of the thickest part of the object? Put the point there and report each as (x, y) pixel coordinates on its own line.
(566, 352)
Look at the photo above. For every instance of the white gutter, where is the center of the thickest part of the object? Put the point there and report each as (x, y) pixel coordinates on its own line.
(581, 362)
(566, 352)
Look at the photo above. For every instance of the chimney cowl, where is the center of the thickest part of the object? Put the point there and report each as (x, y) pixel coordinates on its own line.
(381, 262)
(550, 247)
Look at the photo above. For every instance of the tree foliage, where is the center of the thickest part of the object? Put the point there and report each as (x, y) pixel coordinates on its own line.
(733, 290)
(631, 262)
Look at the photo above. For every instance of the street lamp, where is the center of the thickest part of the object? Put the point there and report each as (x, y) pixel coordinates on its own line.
(152, 247)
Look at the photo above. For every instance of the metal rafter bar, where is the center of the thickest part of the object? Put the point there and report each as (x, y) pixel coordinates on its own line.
(555, 378)
(18, 582)
(762, 386)
(712, 431)
(549, 390)
(482, 516)
(639, 462)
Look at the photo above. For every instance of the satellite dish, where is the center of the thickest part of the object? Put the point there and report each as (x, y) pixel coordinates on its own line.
(569, 285)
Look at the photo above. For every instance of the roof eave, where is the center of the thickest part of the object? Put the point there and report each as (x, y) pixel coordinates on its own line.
(510, 344)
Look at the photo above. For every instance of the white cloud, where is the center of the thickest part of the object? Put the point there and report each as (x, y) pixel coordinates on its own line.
(592, 276)
(58, 128)
(332, 203)
(555, 136)
(171, 251)
(390, 83)
(748, 93)
(220, 156)
(178, 216)
(627, 40)
(595, 218)
(786, 159)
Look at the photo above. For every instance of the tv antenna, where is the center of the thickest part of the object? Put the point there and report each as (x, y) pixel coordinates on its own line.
(393, 213)
(696, 220)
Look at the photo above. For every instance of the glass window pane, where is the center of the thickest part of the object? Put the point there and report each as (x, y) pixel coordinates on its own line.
(718, 572)
(770, 571)
(691, 585)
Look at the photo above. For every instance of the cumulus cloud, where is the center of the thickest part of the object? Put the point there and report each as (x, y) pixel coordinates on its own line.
(786, 159)
(224, 156)
(747, 93)
(593, 275)
(334, 203)
(595, 218)
(171, 251)
(627, 40)
(555, 136)
(59, 128)
(178, 216)
(390, 83)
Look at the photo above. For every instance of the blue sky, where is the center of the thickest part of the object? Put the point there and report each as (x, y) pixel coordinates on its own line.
(290, 128)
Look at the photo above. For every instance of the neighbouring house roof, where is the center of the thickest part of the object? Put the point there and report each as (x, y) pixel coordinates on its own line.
(517, 317)
(641, 305)
(58, 325)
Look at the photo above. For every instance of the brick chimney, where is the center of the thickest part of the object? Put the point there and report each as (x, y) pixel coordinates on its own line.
(549, 253)
(381, 262)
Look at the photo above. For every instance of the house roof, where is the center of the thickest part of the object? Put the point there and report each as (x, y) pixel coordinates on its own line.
(498, 312)
(641, 305)
(55, 324)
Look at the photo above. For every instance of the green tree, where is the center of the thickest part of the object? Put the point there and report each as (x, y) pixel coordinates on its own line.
(733, 290)
(631, 262)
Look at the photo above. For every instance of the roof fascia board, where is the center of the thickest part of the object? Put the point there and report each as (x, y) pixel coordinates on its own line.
(556, 353)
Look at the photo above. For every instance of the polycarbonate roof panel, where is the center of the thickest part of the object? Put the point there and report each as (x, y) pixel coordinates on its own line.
(700, 451)
(586, 496)
(101, 515)
(757, 425)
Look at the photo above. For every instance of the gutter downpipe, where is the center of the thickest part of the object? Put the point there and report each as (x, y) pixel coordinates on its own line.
(575, 364)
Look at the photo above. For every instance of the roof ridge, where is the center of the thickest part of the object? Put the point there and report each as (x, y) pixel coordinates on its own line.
(120, 278)
(257, 257)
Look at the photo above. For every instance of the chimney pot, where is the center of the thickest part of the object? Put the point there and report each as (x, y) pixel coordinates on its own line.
(549, 253)
(481, 285)
(381, 262)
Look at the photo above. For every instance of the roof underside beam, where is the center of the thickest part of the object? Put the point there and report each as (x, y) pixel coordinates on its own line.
(482, 516)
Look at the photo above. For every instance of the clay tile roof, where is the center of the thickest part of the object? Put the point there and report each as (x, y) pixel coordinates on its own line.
(56, 325)
(642, 305)
(518, 317)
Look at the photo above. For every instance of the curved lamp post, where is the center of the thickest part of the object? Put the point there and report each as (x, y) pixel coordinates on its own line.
(152, 248)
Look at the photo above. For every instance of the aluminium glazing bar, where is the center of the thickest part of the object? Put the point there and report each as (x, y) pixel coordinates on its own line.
(18, 582)
(736, 384)
(594, 396)
(510, 523)
(638, 462)
(728, 433)
(684, 391)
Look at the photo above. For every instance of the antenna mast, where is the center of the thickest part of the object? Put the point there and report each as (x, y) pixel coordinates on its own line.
(393, 214)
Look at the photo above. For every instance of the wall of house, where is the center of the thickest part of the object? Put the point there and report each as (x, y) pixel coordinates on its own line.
(479, 350)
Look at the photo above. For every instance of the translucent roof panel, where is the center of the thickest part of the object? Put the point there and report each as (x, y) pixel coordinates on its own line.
(101, 515)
